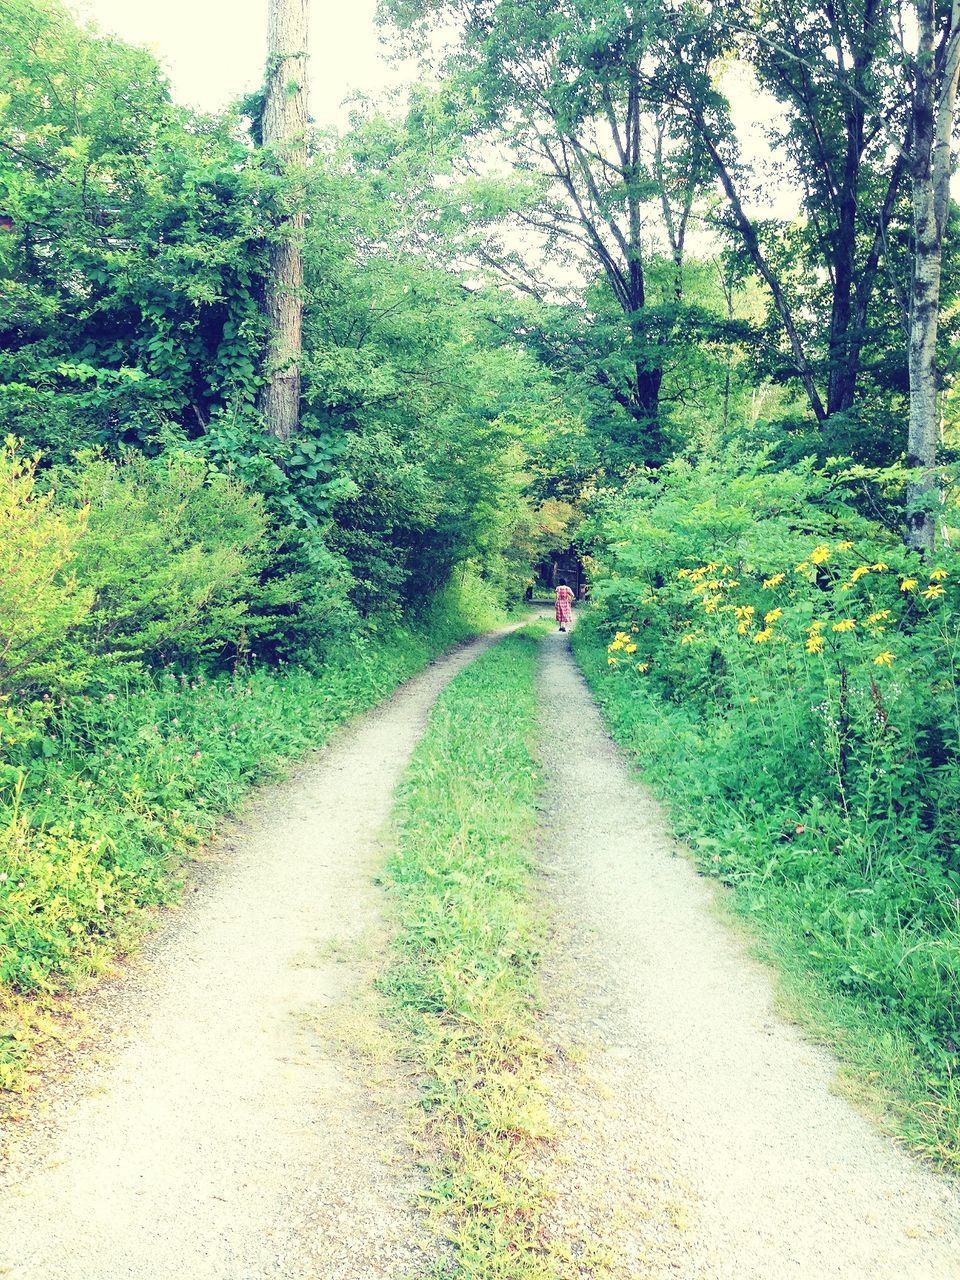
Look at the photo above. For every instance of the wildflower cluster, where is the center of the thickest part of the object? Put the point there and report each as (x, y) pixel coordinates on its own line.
(623, 644)
(828, 569)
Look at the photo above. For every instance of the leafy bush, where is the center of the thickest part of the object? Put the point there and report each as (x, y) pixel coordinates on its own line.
(171, 552)
(41, 599)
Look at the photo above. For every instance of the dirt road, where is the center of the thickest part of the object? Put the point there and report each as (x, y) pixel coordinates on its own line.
(221, 1134)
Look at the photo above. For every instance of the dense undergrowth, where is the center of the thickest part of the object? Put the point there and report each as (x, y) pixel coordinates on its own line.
(786, 674)
(463, 977)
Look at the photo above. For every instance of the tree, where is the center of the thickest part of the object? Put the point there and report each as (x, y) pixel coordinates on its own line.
(563, 84)
(283, 130)
(835, 71)
(128, 277)
(937, 67)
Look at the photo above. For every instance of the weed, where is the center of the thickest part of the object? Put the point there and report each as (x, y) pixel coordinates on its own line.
(462, 983)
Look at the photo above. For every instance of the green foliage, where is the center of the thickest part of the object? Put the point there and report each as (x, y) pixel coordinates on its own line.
(463, 977)
(170, 551)
(787, 674)
(429, 399)
(128, 279)
(145, 561)
(132, 271)
(41, 599)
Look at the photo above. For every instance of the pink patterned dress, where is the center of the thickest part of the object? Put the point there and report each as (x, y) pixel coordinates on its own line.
(564, 609)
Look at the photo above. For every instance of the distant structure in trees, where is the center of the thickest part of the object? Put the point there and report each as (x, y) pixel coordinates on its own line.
(563, 564)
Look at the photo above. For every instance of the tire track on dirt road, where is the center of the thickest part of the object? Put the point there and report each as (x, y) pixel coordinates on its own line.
(222, 1137)
(699, 1133)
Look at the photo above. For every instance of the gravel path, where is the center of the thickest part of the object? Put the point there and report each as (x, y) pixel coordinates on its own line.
(221, 1135)
(701, 1137)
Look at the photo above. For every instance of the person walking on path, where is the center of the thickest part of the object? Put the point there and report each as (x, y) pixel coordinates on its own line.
(564, 604)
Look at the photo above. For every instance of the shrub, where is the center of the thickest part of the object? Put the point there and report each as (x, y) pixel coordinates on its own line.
(41, 599)
(171, 552)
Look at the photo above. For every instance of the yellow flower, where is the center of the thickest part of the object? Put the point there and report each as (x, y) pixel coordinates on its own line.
(743, 613)
(880, 567)
(802, 566)
(844, 546)
(710, 603)
(643, 666)
(815, 628)
(622, 637)
(688, 638)
(846, 586)
(938, 575)
(884, 659)
(847, 624)
(908, 584)
(773, 615)
(763, 636)
(611, 662)
(820, 554)
(814, 644)
(727, 568)
(933, 593)
(754, 698)
(774, 581)
(861, 571)
(630, 648)
(879, 616)
(614, 645)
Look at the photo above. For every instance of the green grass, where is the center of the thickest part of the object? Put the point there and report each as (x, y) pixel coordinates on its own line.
(784, 894)
(463, 980)
(103, 797)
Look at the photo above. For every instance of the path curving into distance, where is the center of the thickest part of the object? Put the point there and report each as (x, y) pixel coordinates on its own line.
(700, 1134)
(222, 1133)
(221, 1136)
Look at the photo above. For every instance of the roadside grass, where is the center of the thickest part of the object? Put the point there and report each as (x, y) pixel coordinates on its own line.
(104, 797)
(882, 1069)
(462, 982)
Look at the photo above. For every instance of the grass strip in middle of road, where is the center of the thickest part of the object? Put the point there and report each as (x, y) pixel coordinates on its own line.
(463, 977)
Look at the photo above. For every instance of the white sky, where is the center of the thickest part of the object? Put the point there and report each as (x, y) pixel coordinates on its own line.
(214, 50)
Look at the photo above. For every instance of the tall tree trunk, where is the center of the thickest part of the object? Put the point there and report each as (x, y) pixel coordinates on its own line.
(931, 160)
(284, 132)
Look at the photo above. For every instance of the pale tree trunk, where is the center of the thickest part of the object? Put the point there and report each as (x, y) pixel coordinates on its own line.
(284, 132)
(931, 160)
